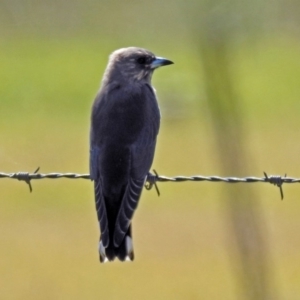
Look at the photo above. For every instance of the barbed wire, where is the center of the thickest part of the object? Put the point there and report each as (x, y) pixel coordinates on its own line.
(152, 179)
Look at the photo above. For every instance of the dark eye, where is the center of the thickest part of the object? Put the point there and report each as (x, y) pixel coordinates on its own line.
(142, 60)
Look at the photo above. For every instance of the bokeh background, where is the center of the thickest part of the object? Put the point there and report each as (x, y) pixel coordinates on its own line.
(230, 107)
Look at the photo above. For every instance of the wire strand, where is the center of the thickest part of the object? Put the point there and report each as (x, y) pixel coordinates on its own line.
(152, 179)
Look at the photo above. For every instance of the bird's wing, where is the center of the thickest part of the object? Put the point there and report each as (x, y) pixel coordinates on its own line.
(140, 141)
(141, 157)
(128, 206)
(99, 199)
(141, 160)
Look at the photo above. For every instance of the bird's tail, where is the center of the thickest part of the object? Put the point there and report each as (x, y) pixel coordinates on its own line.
(124, 252)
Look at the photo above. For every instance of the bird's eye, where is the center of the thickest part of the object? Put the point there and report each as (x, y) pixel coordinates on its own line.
(142, 60)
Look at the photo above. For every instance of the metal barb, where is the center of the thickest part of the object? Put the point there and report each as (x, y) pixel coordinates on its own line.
(151, 180)
(25, 176)
(276, 180)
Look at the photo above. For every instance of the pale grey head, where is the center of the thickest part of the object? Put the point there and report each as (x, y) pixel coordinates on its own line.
(132, 64)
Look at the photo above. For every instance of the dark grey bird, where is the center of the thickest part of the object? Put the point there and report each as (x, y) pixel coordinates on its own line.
(124, 126)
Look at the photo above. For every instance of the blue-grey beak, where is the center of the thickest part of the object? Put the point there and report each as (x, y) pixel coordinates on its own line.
(160, 61)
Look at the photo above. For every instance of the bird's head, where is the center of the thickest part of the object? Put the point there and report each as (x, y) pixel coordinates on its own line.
(134, 64)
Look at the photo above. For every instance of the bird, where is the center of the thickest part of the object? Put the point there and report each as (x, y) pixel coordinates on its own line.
(125, 121)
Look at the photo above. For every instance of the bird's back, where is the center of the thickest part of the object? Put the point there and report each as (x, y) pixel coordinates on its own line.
(125, 123)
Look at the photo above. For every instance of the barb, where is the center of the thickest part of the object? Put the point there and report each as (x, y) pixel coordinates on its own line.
(152, 179)
(24, 176)
(276, 180)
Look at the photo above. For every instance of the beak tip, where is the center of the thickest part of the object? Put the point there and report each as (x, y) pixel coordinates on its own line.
(169, 62)
(160, 61)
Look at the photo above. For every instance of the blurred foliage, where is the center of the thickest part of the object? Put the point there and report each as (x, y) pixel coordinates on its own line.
(52, 57)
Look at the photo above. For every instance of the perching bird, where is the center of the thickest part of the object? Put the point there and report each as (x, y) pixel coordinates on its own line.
(124, 125)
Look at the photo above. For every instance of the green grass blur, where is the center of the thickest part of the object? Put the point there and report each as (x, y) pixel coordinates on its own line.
(183, 244)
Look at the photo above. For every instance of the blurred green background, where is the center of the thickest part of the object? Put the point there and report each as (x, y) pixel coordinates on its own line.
(230, 107)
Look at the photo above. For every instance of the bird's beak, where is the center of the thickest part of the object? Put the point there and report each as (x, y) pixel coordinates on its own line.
(160, 61)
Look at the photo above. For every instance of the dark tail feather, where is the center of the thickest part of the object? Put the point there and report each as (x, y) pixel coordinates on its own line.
(123, 252)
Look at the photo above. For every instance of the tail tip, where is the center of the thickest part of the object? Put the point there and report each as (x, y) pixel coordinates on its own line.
(102, 254)
(129, 254)
(129, 249)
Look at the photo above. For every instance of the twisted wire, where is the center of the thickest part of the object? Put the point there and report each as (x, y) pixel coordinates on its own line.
(152, 179)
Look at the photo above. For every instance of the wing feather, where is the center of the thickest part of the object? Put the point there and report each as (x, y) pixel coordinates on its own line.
(99, 199)
(128, 206)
